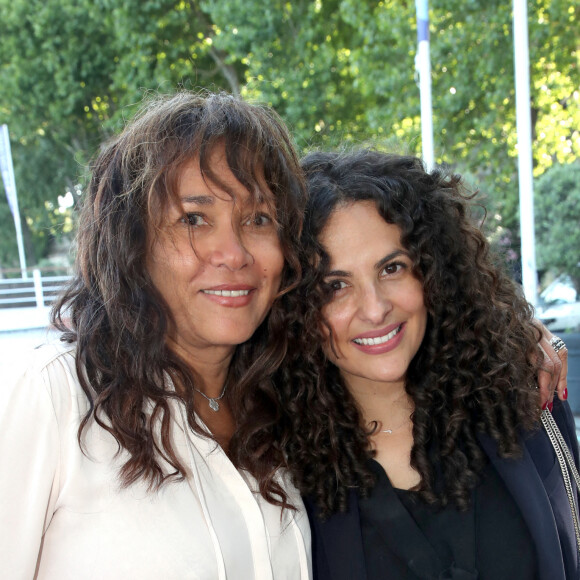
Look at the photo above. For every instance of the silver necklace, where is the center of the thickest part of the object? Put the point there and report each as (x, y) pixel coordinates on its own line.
(390, 431)
(213, 402)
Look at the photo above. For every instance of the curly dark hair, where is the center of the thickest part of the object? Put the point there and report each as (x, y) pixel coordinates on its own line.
(120, 322)
(475, 365)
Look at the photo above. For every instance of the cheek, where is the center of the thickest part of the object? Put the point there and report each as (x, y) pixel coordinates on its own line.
(172, 270)
(272, 263)
(421, 316)
(329, 347)
(417, 307)
(422, 327)
(413, 298)
(278, 266)
(337, 314)
(155, 266)
(332, 335)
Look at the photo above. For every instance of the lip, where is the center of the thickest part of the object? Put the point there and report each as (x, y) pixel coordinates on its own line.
(385, 346)
(379, 332)
(230, 301)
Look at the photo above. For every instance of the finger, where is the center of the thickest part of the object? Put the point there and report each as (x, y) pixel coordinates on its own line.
(558, 374)
(562, 386)
(546, 382)
(555, 362)
(560, 361)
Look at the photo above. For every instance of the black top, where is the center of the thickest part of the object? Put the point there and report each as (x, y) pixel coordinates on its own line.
(405, 538)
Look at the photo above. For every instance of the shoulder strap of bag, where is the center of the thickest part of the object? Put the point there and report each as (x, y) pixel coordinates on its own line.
(567, 467)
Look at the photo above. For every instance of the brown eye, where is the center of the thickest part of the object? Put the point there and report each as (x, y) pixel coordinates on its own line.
(336, 285)
(194, 219)
(393, 268)
(258, 220)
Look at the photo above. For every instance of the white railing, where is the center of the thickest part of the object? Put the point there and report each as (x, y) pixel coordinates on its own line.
(38, 291)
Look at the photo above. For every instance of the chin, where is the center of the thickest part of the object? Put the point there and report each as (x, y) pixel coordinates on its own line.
(233, 338)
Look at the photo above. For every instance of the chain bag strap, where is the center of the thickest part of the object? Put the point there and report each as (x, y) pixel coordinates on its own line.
(567, 467)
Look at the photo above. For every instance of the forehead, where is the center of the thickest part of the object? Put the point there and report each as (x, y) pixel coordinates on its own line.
(218, 181)
(356, 230)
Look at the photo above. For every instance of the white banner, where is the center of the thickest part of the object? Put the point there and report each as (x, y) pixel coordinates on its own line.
(7, 169)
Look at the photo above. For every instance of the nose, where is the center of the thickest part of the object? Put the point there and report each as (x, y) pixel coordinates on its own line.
(226, 249)
(374, 305)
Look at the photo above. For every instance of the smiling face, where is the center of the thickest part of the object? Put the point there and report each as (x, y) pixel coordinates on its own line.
(377, 314)
(216, 260)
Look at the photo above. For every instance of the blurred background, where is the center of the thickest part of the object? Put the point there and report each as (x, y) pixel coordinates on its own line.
(337, 71)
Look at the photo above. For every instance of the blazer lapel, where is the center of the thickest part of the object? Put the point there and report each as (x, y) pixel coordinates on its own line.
(523, 480)
(340, 541)
(340, 536)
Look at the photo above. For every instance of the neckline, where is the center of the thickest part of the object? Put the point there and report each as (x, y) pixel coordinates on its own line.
(381, 474)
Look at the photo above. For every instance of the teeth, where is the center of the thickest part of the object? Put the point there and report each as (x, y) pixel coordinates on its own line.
(228, 293)
(378, 339)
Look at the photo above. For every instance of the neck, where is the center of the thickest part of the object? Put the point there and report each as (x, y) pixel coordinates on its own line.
(386, 403)
(210, 366)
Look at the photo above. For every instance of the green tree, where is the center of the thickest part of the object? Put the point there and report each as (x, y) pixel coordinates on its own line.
(53, 66)
(71, 71)
(344, 70)
(297, 59)
(557, 208)
(336, 70)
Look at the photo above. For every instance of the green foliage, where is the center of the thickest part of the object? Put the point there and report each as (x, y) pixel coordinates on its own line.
(72, 71)
(297, 58)
(8, 248)
(344, 71)
(557, 204)
(54, 65)
(160, 45)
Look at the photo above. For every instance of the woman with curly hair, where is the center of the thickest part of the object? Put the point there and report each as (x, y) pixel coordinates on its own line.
(412, 423)
(142, 446)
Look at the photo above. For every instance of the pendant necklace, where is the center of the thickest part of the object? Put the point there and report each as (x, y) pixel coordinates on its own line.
(213, 402)
(390, 431)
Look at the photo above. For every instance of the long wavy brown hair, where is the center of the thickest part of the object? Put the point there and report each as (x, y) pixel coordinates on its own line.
(119, 321)
(475, 369)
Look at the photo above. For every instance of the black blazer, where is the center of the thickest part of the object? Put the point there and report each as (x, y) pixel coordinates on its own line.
(535, 481)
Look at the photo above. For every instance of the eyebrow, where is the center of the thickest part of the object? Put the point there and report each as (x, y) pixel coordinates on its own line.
(198, 199)
(205, 200)
(389, 257)
(377, 266)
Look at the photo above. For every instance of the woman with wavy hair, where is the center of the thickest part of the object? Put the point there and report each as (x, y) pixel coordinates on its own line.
(142, 446)
(411, 417)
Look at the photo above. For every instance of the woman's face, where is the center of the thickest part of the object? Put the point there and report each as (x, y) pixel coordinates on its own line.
(377, 314)
(217, 260)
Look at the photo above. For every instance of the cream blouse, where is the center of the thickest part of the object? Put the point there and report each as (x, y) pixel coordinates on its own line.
(64, 514)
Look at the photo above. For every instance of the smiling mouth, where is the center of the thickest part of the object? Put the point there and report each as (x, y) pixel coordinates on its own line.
(378, 339)
(227, 293)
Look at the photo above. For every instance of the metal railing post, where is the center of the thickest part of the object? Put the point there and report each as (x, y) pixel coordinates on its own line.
(38, 294)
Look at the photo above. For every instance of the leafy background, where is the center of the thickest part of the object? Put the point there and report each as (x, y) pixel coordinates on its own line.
(337, 71)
